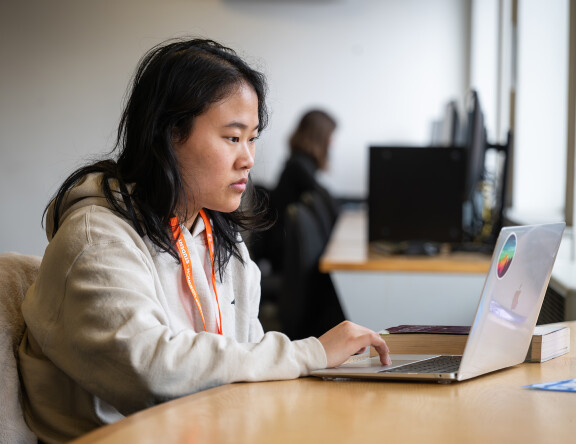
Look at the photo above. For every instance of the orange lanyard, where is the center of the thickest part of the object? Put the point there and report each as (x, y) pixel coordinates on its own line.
(187, 263)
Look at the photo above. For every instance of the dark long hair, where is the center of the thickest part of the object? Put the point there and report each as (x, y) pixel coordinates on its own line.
(312, 136)
(175, 82)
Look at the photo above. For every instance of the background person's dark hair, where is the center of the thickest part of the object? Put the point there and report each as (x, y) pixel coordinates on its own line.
(312, 136)
(175, 82)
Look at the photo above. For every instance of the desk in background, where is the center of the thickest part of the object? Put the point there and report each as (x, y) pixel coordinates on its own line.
(493, 408)
(380, 291)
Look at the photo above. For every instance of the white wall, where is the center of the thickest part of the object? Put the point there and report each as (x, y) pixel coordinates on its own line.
(384, 68)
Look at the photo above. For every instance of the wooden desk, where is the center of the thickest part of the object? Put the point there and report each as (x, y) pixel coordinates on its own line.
(493, 408)
(379, 291)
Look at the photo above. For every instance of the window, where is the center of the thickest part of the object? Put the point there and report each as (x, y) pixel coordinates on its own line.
(519, 66)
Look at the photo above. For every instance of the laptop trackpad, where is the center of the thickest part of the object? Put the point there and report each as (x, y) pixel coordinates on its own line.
(373, 364)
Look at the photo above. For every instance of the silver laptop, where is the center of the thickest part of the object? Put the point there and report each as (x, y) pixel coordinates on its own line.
(505, 318)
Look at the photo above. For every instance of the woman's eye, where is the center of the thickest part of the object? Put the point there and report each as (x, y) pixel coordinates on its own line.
(234, 139)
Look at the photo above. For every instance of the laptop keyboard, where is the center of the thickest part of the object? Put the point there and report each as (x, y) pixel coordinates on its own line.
(439, 364)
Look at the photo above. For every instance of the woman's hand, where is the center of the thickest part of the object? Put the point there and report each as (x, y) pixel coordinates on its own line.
(348, 338)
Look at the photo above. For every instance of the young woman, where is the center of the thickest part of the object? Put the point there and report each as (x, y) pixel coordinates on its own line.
(309, 146)
(146, 291)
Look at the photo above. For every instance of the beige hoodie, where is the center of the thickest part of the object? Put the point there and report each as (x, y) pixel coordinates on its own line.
(108, 334)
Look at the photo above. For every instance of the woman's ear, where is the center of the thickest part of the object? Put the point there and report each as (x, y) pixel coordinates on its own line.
(181, 132)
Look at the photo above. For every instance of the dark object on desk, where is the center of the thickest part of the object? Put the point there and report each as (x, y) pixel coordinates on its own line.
(430, 329)
(416, 194)
(473, 247)
(408, 248)
(308, 304)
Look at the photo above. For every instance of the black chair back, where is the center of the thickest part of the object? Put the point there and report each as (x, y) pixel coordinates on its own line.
(308, 304)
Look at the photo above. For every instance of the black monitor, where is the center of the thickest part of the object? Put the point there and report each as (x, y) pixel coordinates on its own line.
(475, 142)
(416, 194)
(450, 125)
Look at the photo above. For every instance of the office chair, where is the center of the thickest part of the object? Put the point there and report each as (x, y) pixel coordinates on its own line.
(322, 211)
(308, 304)
(17, 272)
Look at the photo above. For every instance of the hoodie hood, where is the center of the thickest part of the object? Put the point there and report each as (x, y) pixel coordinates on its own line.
(87, 192)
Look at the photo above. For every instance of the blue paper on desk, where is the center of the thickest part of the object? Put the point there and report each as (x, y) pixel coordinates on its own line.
(569, 385)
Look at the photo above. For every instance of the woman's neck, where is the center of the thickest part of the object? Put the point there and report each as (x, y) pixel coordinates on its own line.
(190, 222)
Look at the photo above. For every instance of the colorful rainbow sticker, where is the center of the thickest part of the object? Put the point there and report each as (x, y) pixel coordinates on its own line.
(506, 255)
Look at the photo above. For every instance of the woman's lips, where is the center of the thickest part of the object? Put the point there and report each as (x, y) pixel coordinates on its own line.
(240, 185)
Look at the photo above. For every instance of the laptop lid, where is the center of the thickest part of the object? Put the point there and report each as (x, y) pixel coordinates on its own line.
(506, 315)
(511, 299)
